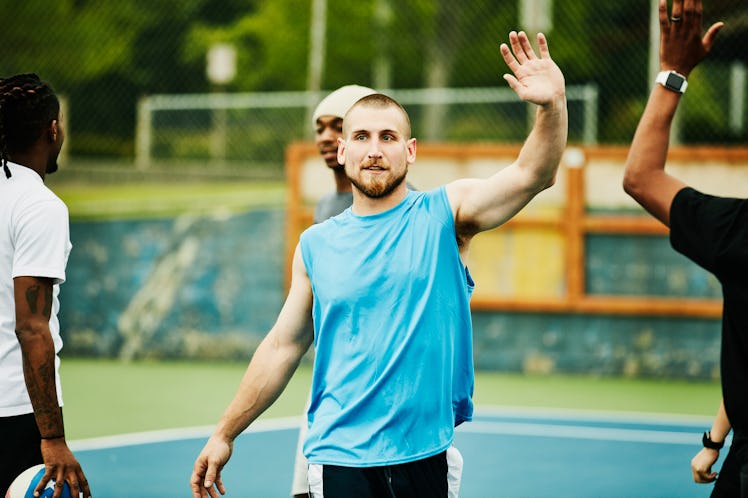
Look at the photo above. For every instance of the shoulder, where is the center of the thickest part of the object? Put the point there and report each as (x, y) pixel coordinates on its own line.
(43, 200)
(25, 193)
(319, 229)
(332, 204)
(437, 198)
(691, 206)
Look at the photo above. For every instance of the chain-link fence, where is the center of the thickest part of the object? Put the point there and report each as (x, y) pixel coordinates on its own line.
(241, 130)
(106, 57)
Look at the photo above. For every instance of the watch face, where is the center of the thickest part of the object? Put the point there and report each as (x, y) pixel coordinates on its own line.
(674, 82)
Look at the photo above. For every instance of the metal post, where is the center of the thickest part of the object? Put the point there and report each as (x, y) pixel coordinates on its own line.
(143, 134)
(317, 36)
(737, 97)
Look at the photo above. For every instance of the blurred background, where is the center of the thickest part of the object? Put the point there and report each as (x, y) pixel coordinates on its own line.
(179, 114)
(253, 69)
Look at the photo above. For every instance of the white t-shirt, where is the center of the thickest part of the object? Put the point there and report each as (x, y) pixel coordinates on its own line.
(35, 242)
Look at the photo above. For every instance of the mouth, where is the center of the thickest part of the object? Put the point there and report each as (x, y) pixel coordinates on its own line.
(371, 165)
(374, 168)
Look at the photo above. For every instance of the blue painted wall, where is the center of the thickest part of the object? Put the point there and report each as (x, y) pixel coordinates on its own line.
(186, 287)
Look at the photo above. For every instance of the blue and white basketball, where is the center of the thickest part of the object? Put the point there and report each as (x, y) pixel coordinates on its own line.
(24, 485)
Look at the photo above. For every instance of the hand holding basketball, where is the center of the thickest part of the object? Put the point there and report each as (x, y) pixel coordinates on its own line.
(27, 481)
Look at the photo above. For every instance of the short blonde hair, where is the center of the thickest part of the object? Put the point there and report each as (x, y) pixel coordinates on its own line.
(380, 101)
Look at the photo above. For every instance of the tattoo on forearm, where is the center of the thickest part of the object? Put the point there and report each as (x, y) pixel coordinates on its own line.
(40, 382)
(32, 294)
(32, 299)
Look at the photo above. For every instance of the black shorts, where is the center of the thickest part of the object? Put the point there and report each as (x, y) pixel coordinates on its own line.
(20, 448)
(432, 477)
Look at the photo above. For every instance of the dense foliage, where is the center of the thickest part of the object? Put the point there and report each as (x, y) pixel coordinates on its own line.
(103, 56)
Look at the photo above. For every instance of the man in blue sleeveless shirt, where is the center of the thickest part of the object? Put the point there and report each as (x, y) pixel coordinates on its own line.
(388, 290)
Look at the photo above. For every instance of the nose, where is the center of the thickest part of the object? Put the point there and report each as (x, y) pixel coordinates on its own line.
(374, 151)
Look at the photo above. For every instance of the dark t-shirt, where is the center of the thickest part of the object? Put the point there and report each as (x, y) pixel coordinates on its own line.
(713, 232)
(332, 204)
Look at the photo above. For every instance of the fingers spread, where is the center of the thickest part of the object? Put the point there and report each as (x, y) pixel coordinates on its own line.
(543, 47)
(519, 52)
(509, 59)
(526, 46)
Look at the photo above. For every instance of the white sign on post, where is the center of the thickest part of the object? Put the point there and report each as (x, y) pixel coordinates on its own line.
(221, 67)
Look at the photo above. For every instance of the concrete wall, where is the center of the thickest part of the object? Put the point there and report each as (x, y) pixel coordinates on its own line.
(180, 287)
(211, 287)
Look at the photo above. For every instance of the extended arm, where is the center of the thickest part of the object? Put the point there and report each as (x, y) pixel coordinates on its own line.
(484, 204)
(270, 369)
(681, 49)
(701, 464)
(33, 307)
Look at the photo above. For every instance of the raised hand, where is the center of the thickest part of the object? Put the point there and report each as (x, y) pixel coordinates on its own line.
(682, 46)
(535, 79)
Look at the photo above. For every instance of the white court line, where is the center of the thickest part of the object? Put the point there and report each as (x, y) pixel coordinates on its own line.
(593, 415)
(163, 436)
(581, 432)
(477, 426)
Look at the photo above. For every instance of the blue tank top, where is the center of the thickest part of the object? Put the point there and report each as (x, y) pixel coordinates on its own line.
(393, 370)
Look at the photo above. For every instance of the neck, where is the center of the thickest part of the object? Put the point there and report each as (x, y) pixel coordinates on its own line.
(342, 183)
(367, 206)
(30, 161)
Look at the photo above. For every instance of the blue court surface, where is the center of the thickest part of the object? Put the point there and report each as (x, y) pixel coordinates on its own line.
(506, 452)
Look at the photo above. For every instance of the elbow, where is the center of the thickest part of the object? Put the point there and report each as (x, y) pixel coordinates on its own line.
(28, 331)
(544, 182)
(631, 184)
(550, 181)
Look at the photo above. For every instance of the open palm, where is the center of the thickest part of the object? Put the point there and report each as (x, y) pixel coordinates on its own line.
(535, 79)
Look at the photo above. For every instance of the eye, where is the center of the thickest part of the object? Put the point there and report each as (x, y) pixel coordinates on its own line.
(360, 137)
(388, 138)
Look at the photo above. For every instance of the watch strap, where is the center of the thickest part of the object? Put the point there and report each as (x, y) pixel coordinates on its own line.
(706, 440)
(672, 80)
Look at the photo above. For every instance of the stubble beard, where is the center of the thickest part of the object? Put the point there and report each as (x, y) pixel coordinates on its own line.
(378, 188)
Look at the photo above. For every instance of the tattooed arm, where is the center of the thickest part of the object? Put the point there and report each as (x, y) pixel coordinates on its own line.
(33, 298)
(33, 303)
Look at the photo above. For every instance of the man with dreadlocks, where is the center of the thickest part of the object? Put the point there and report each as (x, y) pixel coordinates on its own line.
(34, 248)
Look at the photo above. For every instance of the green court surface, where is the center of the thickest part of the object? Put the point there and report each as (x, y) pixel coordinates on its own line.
(87, 201)
(107, 397)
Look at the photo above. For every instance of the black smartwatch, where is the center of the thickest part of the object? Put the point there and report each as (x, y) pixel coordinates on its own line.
(706, 440)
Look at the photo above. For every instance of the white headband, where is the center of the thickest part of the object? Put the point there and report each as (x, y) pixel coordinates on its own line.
(338, 102)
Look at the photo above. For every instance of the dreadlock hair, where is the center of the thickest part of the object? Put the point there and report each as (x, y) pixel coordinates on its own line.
(27, 106)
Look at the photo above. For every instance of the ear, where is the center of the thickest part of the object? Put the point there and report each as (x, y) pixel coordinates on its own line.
(411, 145)
(341, 151)
(53, 131)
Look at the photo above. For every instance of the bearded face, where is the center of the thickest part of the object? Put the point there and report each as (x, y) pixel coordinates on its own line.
(377, 180)
(376, 150)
